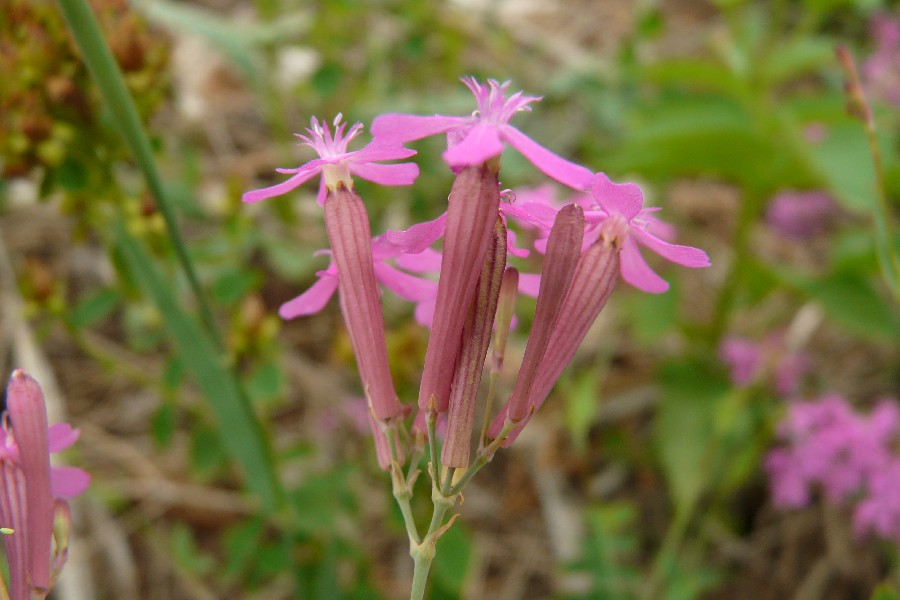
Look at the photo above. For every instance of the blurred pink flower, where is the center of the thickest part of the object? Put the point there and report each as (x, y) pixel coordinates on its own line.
(800, 215)
(881, 70)
(879, 511)
(473, 140)
(336, 162)
(850, 457)
(755, 361)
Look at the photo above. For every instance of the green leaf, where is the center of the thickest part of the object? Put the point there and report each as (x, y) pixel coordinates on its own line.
(265, 383)
(186, 553)
(93, 308)
(842, 160)
(582, 401)
(241, 542)
(610, 550)
(318, 500)
(233, 284)
(797, 56)
(207, 454)
(651, 315)
(454, 553)
(684, 428)
(240, 432)
(706, 137)
(162, 425)
(850, 299)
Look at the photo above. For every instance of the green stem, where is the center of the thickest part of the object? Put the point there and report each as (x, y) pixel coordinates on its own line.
(670, 545)
(423, 554)
(103, 68)
(483, 457)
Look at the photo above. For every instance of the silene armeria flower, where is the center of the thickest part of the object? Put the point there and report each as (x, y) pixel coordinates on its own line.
(626, 221)
(349, 234)
(32, 492)
(473, 140)
(336, 163)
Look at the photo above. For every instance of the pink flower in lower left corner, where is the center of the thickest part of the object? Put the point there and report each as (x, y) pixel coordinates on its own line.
(32, 493)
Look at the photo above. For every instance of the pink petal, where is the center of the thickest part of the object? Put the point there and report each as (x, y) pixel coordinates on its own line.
(480, 143)
(682, 255)
(281, 188)
(420, 236)
(511, 247)
(405, 285)
(531, 213)
(68, 482)
(530, 284)
(637, 272)
(424, 312)
(406, 128)
(397, 174)
(625, 199)
(379, 150)
(312, 300)
(61, 435)
(427, 261)
(318, 162)
(563, 171)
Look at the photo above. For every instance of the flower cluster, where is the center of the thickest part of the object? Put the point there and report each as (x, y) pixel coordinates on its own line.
(32, 493)
(850, 457)
(586, 241)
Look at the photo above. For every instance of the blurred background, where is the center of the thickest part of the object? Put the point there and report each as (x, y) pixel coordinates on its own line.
(234, 465)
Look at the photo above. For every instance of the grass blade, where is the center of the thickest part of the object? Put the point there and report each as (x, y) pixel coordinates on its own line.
(103, 68)
(240, 431)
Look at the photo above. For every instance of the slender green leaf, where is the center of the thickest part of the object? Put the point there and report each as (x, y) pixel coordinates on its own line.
(103, 68)
(240, 432)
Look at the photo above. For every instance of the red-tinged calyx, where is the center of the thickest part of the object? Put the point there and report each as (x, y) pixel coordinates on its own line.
(472, 212)
(593, 283)
(476, 338)
(28, 414)
(347, 224)
(563, 251)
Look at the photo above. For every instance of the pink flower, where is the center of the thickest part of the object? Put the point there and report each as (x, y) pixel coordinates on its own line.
(408, 287)
(336, 163)
(849, 456)
(800, 215)
(28, 486)
(616, 212)
(626, 222)
(475, 139)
